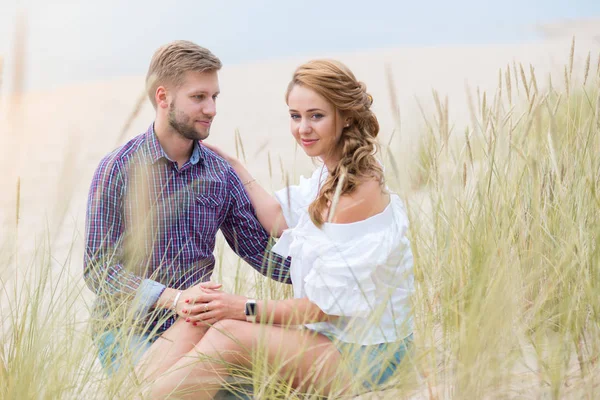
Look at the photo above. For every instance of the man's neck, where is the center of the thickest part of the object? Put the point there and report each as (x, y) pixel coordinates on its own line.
(177, 148)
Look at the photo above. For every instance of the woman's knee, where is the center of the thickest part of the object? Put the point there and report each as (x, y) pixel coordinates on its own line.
(229, 333)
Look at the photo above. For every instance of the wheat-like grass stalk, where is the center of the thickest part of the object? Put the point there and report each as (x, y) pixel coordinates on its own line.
(567, 82)
(533, 79)
(524, 81)
(587, 68)
(508, 82)
(516, 76)
(571, 58)
(18, 203)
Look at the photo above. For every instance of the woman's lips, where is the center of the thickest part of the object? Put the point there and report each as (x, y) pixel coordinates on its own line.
(307, 142)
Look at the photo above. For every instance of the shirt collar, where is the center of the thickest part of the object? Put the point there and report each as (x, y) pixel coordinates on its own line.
(156, 152)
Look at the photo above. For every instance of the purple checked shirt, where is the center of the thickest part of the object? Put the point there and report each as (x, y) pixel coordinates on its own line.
(151, 225)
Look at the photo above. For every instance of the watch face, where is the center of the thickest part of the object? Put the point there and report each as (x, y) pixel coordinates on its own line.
(250, 309)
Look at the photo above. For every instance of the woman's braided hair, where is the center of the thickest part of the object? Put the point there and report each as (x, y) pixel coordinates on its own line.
(357, 144)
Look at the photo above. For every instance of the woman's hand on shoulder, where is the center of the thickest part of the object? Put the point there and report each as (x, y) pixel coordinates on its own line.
(226, 156)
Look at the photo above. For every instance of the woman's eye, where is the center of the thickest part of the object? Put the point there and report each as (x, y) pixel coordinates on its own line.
(317, 116)
(294, 116)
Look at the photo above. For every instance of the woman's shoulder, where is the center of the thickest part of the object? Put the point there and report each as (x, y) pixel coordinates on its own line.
(368, 199)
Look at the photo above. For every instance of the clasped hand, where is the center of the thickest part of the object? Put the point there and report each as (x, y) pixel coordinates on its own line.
(205, 303)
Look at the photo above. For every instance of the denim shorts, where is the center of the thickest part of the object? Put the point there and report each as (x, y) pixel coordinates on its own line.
(374, 364)
(115, 349)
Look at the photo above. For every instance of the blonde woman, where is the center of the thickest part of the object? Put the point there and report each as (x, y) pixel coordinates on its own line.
(351, 265)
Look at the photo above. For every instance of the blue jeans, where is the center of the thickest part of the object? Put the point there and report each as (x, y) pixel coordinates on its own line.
(115, 349)
(378, 361)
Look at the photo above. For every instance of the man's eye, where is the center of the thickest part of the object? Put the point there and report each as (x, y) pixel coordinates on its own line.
(215, 97)
(199, 97)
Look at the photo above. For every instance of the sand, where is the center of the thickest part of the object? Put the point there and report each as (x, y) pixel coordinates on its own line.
(51, 141)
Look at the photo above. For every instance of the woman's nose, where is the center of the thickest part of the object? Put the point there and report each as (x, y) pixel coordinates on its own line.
(304, 126)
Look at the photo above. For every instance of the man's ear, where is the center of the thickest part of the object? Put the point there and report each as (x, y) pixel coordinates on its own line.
(161, 97)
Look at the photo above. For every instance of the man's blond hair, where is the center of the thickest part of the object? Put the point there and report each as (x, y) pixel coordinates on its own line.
(171, 61)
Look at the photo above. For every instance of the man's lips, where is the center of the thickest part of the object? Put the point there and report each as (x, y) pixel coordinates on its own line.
(205, 123)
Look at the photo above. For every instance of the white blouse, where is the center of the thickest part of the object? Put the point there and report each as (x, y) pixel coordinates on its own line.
(361, 271)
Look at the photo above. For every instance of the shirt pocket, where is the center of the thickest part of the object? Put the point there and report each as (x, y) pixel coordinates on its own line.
(207, 215)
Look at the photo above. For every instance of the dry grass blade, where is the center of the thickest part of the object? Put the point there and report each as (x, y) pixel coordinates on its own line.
(469, 149)
(507, 80)
(524, 81)
(336, 198)
(587, 68)
(239, 145)
(471, 106)
(533, 80)
(18, 202)
(516, 75)
(393, 97)
(132, 116)
(571, 58)
(597, 112)
(567, 82)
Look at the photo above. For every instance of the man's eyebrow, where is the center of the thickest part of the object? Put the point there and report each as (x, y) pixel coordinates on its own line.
(205, 92)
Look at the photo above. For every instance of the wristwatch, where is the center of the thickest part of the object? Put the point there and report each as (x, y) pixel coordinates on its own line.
(250, 310)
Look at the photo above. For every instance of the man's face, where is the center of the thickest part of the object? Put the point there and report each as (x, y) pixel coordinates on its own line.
(193, 105)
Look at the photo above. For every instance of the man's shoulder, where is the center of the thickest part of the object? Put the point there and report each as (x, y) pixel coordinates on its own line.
(123, 154)
(216, 163)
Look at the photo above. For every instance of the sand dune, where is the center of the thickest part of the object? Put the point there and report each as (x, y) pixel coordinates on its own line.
(53, 140)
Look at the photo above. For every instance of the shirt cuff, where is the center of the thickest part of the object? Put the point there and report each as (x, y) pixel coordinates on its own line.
(147, 295)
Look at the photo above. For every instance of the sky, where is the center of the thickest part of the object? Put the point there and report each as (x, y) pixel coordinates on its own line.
(77, 41)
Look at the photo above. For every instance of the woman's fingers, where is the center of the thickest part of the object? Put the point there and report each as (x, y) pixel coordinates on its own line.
(204, 316)
(202, 297)
(210, 285)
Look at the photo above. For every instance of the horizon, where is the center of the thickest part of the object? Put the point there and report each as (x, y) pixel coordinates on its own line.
(70, 43)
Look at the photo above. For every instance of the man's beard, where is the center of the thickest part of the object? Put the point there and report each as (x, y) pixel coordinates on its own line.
(181, 124)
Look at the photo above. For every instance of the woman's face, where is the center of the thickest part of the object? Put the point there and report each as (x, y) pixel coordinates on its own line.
(314, 122)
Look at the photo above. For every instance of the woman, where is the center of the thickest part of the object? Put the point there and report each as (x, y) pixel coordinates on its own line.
(351, 261)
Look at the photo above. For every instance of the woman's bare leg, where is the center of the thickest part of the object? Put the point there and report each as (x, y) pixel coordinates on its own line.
(303, 356)
(173, 344)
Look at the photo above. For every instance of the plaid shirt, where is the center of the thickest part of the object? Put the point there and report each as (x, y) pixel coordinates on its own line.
(151, 225)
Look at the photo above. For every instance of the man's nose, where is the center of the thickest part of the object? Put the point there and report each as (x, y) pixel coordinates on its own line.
(210, 108)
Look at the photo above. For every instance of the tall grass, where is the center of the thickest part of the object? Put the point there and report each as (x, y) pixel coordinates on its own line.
(505, 224)
(507, 254)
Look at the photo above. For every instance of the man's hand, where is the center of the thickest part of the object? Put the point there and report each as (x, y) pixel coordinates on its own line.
(212, 306)
(186, 298)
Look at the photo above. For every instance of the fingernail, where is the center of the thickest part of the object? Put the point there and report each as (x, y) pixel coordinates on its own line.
(187, 300)
(184, 311)
(187, 320)
(195, 324)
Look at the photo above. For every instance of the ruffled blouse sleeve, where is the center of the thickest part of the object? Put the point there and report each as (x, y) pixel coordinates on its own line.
(295, 199)
(355, 273)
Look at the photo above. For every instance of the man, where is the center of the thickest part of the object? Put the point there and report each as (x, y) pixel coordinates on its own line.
(155, 206)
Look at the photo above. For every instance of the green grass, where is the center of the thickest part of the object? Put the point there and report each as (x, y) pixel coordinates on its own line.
(505, 229)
